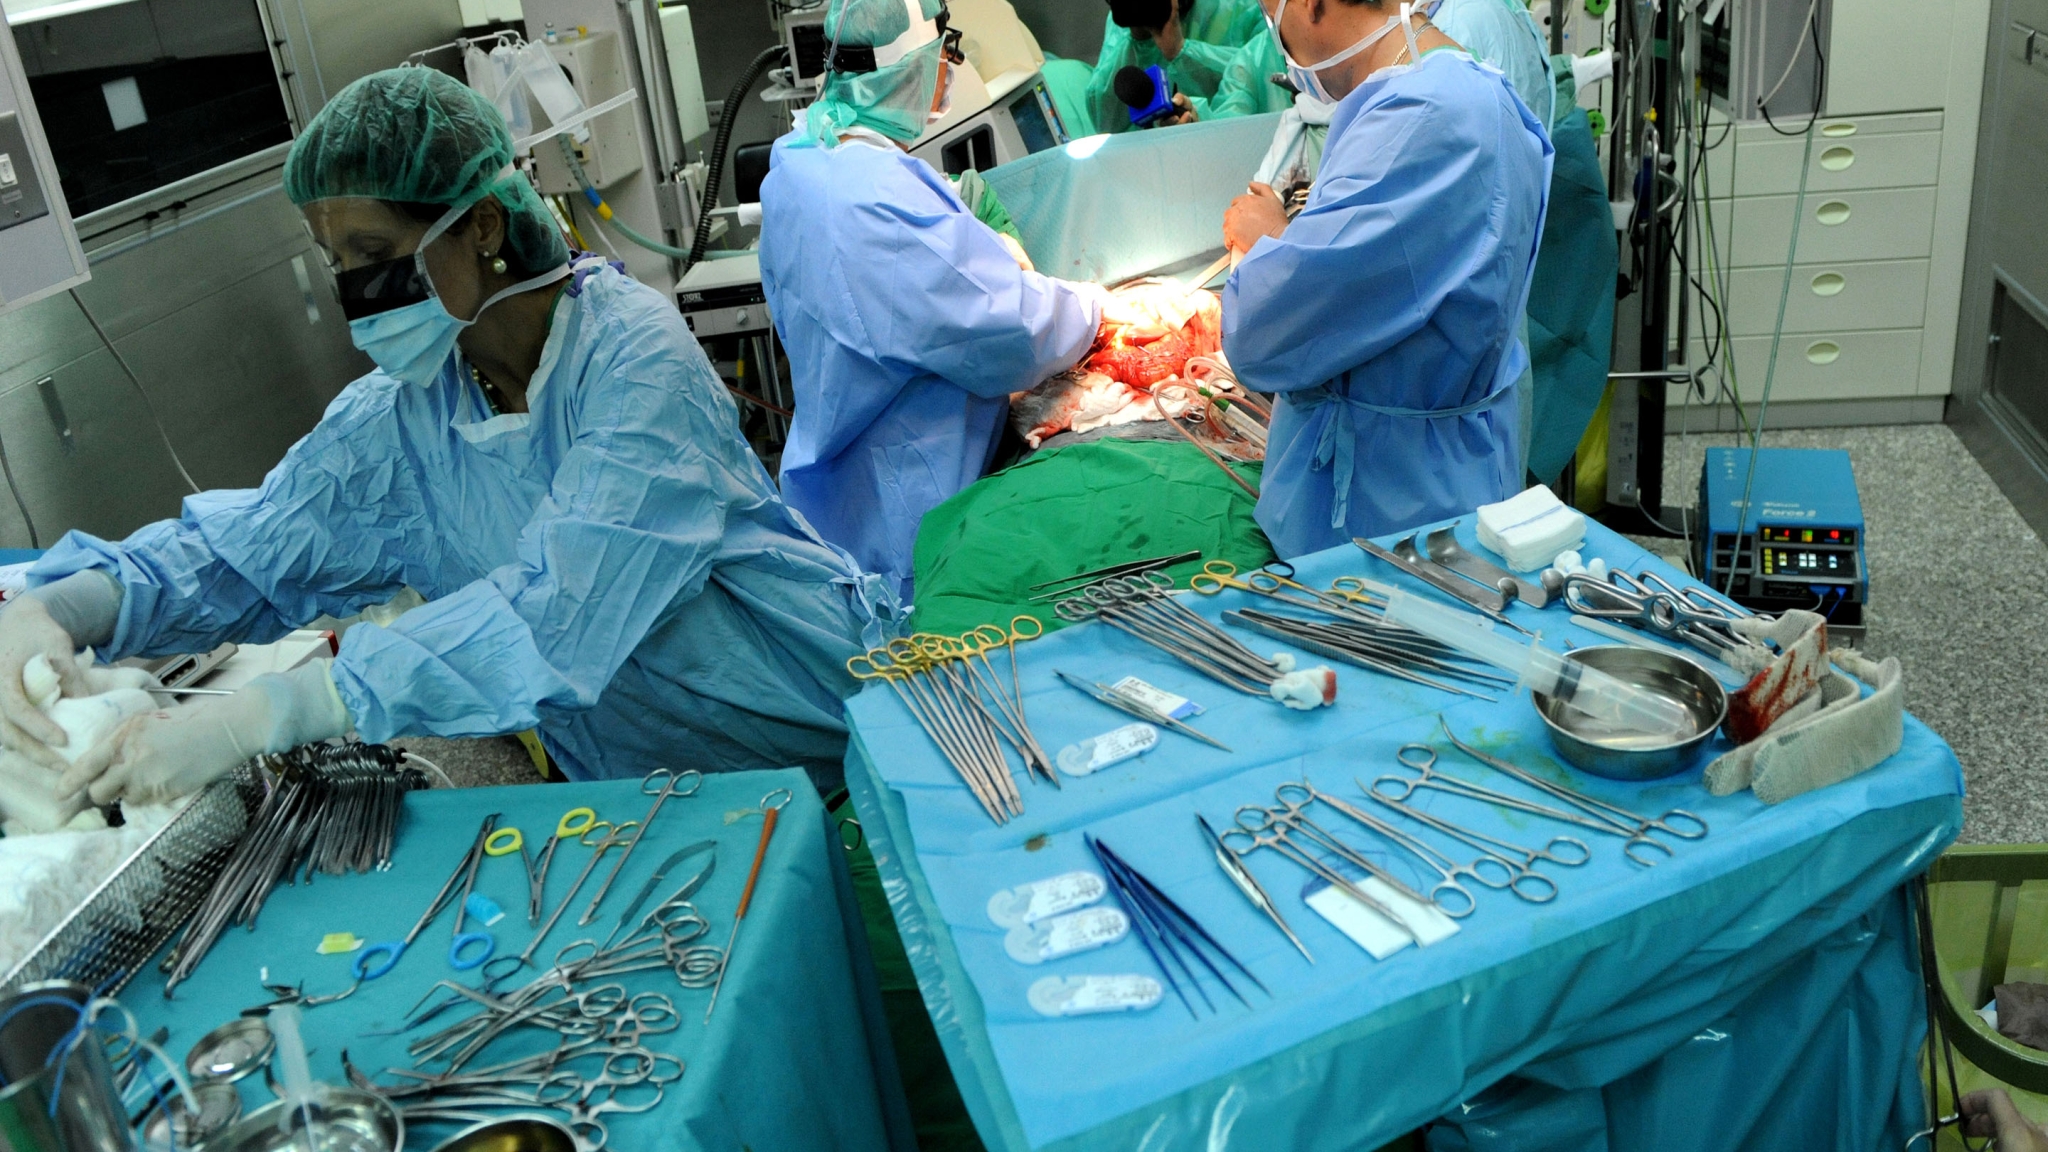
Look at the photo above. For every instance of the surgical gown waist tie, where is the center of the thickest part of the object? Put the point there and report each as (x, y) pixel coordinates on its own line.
(1338, 441)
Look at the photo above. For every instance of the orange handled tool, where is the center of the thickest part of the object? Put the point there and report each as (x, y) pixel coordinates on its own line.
(771, 808)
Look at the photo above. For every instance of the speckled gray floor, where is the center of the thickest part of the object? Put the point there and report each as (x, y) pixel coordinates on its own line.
(1958, 592)
(481, 763)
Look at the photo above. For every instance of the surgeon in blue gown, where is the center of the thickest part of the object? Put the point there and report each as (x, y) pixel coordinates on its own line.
(1388, 313)
(543, 453)
(907, 321)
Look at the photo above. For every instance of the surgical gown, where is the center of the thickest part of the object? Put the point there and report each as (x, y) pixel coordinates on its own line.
(908, 325)
(614, 566)
(1213, 31)
(1388, 315)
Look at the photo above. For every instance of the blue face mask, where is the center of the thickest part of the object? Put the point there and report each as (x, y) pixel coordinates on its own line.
(411, 342)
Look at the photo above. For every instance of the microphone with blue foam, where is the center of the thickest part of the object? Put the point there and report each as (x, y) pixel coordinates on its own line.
(1147, 93)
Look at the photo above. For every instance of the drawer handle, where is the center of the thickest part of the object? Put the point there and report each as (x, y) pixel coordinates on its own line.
(1838, 158)
(1823, 352)
(1829, 284)
(1832, 213)
(1838, 129)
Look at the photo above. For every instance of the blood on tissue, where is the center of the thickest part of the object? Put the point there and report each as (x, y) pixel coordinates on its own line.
(1773, 691)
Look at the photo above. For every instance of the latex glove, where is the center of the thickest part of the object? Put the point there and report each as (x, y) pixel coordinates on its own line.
(160, 756)
(27, 631)
(1991, 1113)
(1257, 213)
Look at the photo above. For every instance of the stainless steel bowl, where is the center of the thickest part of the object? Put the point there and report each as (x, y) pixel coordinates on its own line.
(345, 1120)
(511, 1134)
(1619, 754)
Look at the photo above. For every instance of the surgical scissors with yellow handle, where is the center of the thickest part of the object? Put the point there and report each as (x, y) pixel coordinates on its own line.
(977, 762)
(1216, 575)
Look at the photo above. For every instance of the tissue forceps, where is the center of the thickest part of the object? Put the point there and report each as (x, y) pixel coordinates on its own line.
(1634, 827)
(1242, 877)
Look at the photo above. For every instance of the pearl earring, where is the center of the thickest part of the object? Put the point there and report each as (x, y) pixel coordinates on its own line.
(498, 265)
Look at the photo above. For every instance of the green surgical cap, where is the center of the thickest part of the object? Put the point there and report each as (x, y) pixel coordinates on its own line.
(873, 23)
(424, 137)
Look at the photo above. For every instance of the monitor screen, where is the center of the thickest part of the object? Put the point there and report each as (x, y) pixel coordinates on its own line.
(1032, 124)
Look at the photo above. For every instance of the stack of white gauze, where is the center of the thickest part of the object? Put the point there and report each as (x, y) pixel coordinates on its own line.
(1530, 529)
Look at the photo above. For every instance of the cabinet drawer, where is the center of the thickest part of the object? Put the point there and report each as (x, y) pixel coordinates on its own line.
(1887, 224)
(1839, 164)
(1827, 297)
(1826, 366)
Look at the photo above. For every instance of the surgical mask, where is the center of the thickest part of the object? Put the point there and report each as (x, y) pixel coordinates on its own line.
(1304, 77)
(407, 332)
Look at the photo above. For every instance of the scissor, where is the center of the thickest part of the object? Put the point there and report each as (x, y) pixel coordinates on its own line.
(661, 784)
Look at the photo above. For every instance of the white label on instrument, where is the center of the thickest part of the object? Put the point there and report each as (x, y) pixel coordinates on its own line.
(1367, 927)
(1084, 995)
(1178, 707)
(1066, 935)
(1042, 899)
(1109, 749)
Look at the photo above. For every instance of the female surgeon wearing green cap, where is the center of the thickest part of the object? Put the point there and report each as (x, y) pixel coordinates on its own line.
(543, 452)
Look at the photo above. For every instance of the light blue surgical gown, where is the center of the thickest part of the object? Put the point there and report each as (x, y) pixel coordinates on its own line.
(1388, 316)
(908, 325)
(1505, 35)
(614, 567)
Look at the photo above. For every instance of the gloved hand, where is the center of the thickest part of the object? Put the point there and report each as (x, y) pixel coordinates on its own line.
(1990, 1113)
(26, 631)
(160, 756)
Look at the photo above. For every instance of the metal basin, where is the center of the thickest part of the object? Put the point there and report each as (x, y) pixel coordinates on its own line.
(345, 1120)
(1619, 754)
(511, 1134)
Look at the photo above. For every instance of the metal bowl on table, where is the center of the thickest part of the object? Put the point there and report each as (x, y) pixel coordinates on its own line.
(178, 1126)
(511, 1134)
(1622, 754)
(344, 1120)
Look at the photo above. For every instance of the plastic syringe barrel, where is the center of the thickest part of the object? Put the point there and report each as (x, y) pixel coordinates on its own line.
(1586, 688)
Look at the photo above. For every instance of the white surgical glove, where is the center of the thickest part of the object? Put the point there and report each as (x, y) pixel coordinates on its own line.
(27, 631)
(160, 756)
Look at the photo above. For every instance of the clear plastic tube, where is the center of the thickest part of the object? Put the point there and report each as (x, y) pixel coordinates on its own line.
(1588, 689)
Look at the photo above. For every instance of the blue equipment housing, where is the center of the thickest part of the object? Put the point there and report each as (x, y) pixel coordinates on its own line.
(1801, 544)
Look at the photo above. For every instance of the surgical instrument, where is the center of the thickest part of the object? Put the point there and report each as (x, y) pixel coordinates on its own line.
(661, 872)
(1422, 758)
(1500, 853)
(1350, 647)
(1124, 569)
(1248, 884)
(771, 811)
(326, 808)
(1445, 867)
(1292, 815)
(462, 940)
(612, 836)
(1164, 923)
(1635, 828)
(1272, 832)
(976, 644)
(1491, 603)
(1142, 606)
(574, 822)
(952, 713)
(1106, 694)
(671, 781)
(1444, 549)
